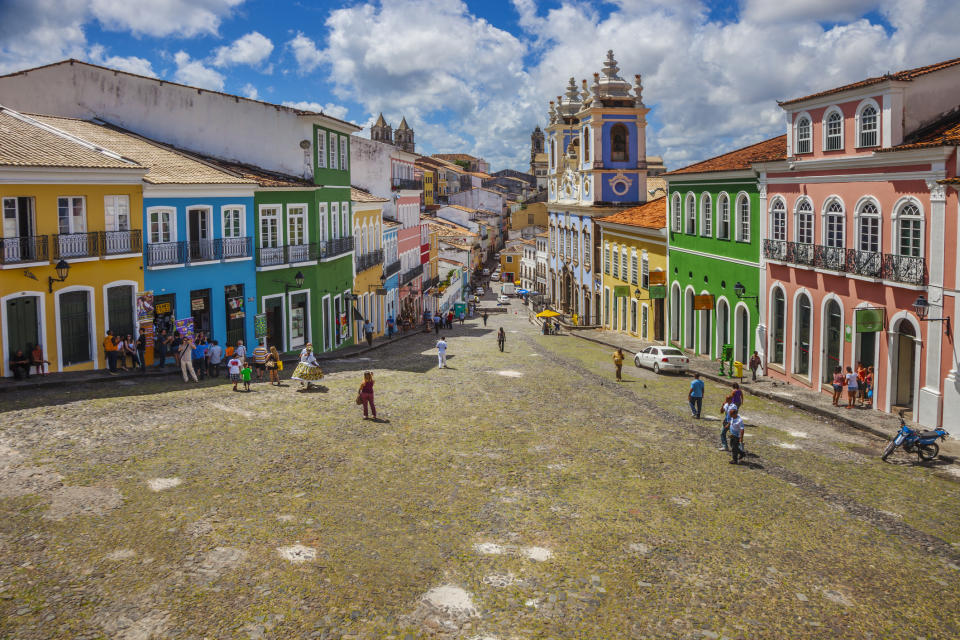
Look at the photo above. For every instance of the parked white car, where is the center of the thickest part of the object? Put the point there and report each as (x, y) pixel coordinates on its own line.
(480, 291)
(662, 359)
(502, 299)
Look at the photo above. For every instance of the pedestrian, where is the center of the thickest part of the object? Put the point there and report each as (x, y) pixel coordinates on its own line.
(485, 316)
(308, 369)
(725, 409)
(233, 368)
(20, 365)
(852, 387)
(142, 352)
(442, 353)
(161, 346)
(868, 388)
(736, 435)
(695, 396)
(246, 374)
(754, 365)
(110, 351)
(215, 357)
(463, 316)
(200, 356)
(368, 332)
(273, 366)
(861, 383)
(260, 360)
(391, 326)
(175, 347)
(837, 385)
(449, 319)
(501, 339)
(37, 360)
(241, 351)
(365, 395)
(618, 362)
(186, 359)
(126, 348)
(737, 395)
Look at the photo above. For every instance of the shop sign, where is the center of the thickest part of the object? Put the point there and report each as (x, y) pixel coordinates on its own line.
(198, 304)
(621, 291)
(658, 277)
(260, 325)
(163, 307)
(658, 292)
(870, 320)
(145, 306)
(848, 333)
(703, 302)
(235, 308)
(185, 327)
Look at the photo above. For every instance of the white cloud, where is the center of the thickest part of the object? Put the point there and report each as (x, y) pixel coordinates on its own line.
(195, 74)
(36, 32)
(831, 11)
(250, 91)
(306, 52)
(181, 18)
(330, 109)
(251, 49)
(130, 64)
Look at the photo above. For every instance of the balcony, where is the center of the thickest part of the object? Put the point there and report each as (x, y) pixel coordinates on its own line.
(369, 259)
(336, 247)
(870, 264)
(271, 256)
(301, 252)
(865, 263)
(24, 250)
(118, 243)
(430, 282)
(800, 253)
(775, 249)
(161, 254)
(75, 245)
(232, 248)
(391, 269)
(830, 258)
(201, 251)
(411, 274)
(396, 184)
(906, 269)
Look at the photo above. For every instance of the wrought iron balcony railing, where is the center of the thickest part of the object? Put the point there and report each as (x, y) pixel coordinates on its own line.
(431, 282)
(406, 183)
(301, 252)
(391, 269)
(775, 249)
(411, 274)
(865, 263)
(76, 245)
(800, 253)
(369, 259)
(24, 249)
(871, 264)
(113, 243)
(201, 251)
(336, 247)
(229, 248)
(831, 258)
(906, 269)
(161, 254)
(271, 256)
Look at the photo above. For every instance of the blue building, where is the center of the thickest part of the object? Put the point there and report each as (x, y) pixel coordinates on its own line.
(391, 268)
(597, 166)
(198, 222)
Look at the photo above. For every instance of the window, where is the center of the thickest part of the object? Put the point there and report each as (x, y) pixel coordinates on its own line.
(676, 212)
(232, 222)
(345, 219)
(743, 219)
(805, 222)
(723, 226)
(802, 340)
(909, 231)
(343, 154)
(779, 325)
(867, 126)
(833, 221)
(161, 226)
(575, 250)
(509, 259)
(706, 215)
(778, 220)
(618, 143)
(869, 232)
(334, 220)
(691, 215)
(270, 228)
(833, 131)
(296, 225)
(116, 212)
(321, 149)
(645, 271)
(587, 249)
(606, 259)
(623, 265)
(71, 215)
(804, 135)
(333, 151)
(616, 263)
(586, 144)
(633, 316)
(322, 231)
(634, 270)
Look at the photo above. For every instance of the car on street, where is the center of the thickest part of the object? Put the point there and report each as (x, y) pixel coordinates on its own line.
(662, 359)
(502, 299)
(480, 291)
(486, 272)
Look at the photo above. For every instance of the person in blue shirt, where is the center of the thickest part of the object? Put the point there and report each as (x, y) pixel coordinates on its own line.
(728, 406)
(736, 436)
(200, 356)
(695, 397)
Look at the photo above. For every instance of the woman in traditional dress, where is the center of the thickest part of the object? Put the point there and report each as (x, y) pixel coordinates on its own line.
(308, 370)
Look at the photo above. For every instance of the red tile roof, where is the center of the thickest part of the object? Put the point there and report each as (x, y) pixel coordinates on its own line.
(902, 76)
(772, 149)
(942, 132)
(651, 215)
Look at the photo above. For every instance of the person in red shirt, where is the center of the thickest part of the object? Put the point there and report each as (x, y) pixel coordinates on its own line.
(365, 395)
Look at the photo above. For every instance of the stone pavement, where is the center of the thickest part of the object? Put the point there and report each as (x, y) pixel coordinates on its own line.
(878, 423)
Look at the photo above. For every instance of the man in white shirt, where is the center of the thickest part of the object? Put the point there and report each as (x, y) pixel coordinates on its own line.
(215, 357)
(736, 435)
(441, 353)
(240, 351)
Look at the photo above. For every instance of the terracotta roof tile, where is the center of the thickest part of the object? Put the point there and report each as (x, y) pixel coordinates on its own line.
(362, 195)
(263, 177)
(772, 149)
(943, 132)
(901, 76)
(650, 215)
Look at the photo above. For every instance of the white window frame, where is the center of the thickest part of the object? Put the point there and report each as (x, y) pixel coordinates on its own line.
(71, 218)
(624, 265)
(898, 217)
(828, 217)
(801, 216)
(778, 208)
(869, 102)
(860, 217)
(239, 209)
(172, 212)
(826, 131)
(644, 270)
(723, 215)
(111, 204)
(334, 220)
(706, 215)
(344, 219)
(742, 222)
(321, 149)
(333, 150)
(634, 268)
(277, 215)
(677, 211)
(298, 211)
(343, 154)
(690, 220)
(798, 141)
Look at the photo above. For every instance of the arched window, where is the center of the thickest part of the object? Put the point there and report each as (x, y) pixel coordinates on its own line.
(676, 210)
(616, 262)
(909, 231)
(804, 135)
(833, 224)
(691, 214)
(743, 219)
(803, 324)
(706, 215)
(619, 151)
(574, 239)
(624, 265)
(779, 322)
(587, 250)
(805, 221)
(778, 220)
(586, 144)
(868, 235)
(723, 225)
(867, 126)
(833, 131)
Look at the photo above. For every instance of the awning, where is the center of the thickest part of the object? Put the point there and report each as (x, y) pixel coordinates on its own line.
(548, 313)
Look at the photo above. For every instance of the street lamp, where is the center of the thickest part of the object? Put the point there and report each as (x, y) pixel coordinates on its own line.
(741, 291)
(297, 282)
(922, 308)
(63, 270)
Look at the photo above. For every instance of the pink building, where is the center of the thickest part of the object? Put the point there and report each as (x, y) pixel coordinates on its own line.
(861, 223)
(406, 191)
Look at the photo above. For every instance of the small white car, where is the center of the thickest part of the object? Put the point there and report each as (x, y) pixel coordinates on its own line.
(662, 359)
(480, 291)
(502, 299)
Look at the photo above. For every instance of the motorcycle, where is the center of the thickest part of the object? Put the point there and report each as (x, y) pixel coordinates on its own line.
(923, 443)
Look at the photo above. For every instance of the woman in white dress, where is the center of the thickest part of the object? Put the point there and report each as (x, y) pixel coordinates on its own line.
(308, 370)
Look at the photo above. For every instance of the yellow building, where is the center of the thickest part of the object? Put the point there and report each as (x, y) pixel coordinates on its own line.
(428, 198)
(368, 280)
(71, 262)
(633, 246)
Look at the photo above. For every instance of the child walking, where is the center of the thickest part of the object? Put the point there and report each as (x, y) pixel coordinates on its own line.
(233, 367)
(246, 373)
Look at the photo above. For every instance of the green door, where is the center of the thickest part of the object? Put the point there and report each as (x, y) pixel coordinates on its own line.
(120, 306)
(75, 327)
(22, 321)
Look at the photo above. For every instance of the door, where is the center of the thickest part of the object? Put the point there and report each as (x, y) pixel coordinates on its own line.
(723, 325)
(72, 241)
(297, 234)
(23, 324)
(327, 328)
(274, 311)
(201, 238)
(236, 313)
(18, 230)
(903, 394)
(688, 329)
(75, 327)
(705, 336)
(120, 310)
(165, 310)
(743, 336)
(200, 310)
(298, 320)
(658, 307)
(833, 334)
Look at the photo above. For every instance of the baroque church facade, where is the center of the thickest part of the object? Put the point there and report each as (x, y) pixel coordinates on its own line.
(596, 166)
(401, 137)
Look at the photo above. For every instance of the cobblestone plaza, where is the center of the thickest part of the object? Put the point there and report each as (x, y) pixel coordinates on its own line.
(513, 495)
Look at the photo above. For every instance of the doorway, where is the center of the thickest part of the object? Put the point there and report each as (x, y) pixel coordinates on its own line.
(200, 310)
(23, 325)
(658, 319)
(688, 328)
(723, 325)
(75, 327)
(120, 310)
(201, 237)
(236, 313)
(833, 334)
(18, 230)
(164, 309)
(904, 371)
(705, 337)
(298, 320)
(742, 342)
(675, 314)
(273, 307)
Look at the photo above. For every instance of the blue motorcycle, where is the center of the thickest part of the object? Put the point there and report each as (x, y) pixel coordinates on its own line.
(923, 443)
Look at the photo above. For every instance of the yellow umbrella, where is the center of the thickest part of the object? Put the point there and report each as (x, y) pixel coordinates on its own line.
(548, 313)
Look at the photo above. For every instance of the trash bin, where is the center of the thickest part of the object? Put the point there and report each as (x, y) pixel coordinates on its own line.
(737, 369)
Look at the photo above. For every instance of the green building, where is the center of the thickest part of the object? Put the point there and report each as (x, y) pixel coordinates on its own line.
(714, 272)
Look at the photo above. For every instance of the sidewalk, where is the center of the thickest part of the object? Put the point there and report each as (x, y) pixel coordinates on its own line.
(101, 375)
(878, 423)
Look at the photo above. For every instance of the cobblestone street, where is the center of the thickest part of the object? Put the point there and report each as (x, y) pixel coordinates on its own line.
(513, 495)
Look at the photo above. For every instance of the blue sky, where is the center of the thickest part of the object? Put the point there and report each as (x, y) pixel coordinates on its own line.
(477, 76)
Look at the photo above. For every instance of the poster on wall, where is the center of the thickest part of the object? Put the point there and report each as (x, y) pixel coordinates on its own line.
(260, 325)
(148, 333)
(185, 327)
(703, 302)
(235, 308)
(144, 307)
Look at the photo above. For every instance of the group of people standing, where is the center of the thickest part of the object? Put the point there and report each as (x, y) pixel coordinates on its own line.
(118, 349)
(859, 386)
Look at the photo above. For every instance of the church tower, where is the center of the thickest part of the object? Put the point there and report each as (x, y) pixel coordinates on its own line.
(536, 144)
(403, 136)
(381, 131)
